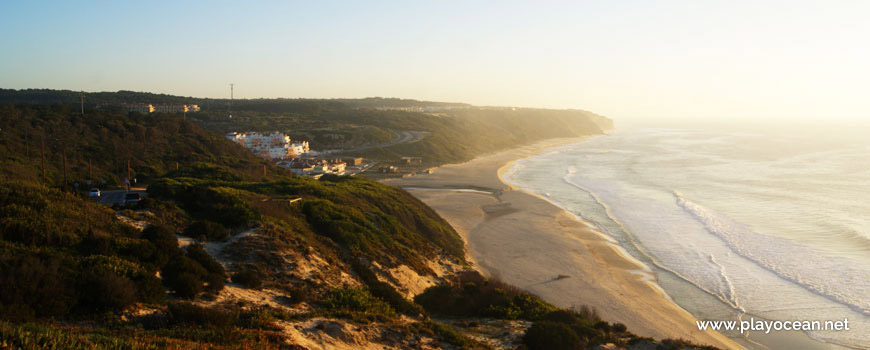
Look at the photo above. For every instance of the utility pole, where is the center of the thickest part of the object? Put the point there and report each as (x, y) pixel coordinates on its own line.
(128, 169)
(231, 100)
(83, 103)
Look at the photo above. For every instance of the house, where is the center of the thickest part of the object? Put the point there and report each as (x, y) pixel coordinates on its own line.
(273, 145)
(165, 108)
(353, 161)
(412, 160)
(312, 167)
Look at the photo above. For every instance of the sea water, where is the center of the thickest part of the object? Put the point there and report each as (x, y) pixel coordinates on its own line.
(735, 224)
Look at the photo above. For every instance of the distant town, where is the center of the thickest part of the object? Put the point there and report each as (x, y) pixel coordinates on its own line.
(297, 155)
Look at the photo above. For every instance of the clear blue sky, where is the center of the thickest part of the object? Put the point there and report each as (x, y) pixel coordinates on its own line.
(624, 59)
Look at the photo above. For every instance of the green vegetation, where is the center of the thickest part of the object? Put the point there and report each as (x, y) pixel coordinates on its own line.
(75, 276)
(103, 143)
(472, 295)
(361, 216)
(209, 230)
(358, 304)
(249, 277)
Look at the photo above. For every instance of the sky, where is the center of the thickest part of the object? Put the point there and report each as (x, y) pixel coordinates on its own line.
(629, 60)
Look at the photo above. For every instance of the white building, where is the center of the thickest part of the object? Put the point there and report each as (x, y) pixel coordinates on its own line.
(313, 167)
(274, 145)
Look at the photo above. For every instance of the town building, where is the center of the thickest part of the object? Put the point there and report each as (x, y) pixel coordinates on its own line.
(412, 160)
(273, 145)
(314, 167)
(353, 161)
(164, 108)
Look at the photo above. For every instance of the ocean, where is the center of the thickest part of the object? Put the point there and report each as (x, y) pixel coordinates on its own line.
(735, 225)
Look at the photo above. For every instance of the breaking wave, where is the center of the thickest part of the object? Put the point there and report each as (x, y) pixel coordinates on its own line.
(789, 259)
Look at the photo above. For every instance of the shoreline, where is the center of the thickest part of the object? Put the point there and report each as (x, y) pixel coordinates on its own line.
(528, 242)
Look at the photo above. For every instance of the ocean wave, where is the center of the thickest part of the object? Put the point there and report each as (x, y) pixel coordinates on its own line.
(724, 290)
(833, 277)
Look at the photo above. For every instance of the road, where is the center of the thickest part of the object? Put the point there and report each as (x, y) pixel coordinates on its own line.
(117, 196)
(402, 136)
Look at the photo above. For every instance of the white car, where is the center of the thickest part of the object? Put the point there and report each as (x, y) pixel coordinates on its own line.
(94, 193)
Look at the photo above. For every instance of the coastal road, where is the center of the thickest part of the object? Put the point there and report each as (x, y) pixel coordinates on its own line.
(402, 136)
(116, 196)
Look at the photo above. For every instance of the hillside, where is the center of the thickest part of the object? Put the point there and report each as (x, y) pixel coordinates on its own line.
(455, 132)
(222, 256)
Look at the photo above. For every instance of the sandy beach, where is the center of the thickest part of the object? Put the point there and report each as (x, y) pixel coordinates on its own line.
(528, 242)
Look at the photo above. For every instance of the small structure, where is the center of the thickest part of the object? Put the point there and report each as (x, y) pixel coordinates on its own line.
(353, 161)
(388, 169)
(412, 160)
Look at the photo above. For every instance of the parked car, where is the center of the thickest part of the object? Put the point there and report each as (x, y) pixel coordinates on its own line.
(132, 198)
(94, 193)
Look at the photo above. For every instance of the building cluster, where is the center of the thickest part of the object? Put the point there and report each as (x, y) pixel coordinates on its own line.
(273, 146)
(425, 109)
(314, 167)
(163, 108)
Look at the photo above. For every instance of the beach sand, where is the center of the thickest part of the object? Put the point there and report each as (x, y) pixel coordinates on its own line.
(528, 242)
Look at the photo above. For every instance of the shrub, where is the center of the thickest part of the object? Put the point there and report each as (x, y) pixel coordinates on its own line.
(35, 287)
(210, 230)
(472, 295)
(184, 275)
(190, 314)
(618, 328)
(215, 282)
(187, 285)
(587, 330)
(197, 253)
(349, 301)
(96, 245)
(248, 277)
(547, 335)
(104, 290)
(163, 237)
(150, 290)
(386, 291)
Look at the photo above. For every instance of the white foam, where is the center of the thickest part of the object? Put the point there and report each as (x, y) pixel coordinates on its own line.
(833, 277)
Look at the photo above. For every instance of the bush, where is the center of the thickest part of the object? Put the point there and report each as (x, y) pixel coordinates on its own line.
(210, 230)
(150, 290)
(197, 253)
(350, 301)
(386, 291)
(472, 295)
(96, 245)
(581, 325)
(163, 237)
(35, 287)
(548, 335)
(248, 277)
(105, 290)
(215, 282)
(190, 314)
(184, 275)
(187, 285)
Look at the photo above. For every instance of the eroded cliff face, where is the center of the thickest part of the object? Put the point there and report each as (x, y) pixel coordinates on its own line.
(293, 269)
